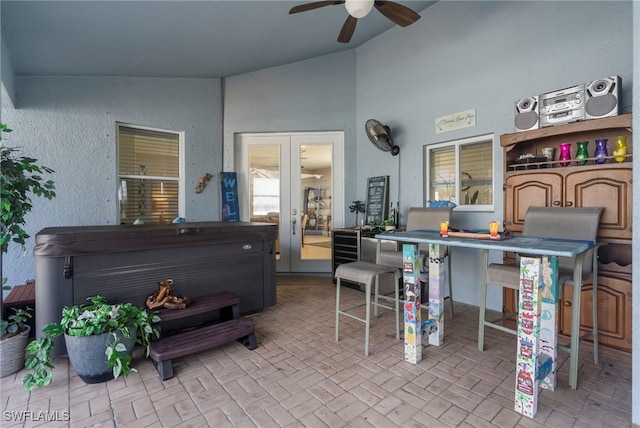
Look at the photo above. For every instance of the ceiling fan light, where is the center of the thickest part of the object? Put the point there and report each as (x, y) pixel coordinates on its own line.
(359, 8)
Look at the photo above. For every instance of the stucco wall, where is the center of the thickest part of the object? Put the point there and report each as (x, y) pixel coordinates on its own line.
(69, 124)
(313, 95)
(482, 56)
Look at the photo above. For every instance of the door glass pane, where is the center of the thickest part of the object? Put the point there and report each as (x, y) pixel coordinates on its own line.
(264, 186)
(316, 186)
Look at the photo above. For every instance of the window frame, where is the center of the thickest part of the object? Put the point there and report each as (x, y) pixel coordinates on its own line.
(456, 145)
(181, 166)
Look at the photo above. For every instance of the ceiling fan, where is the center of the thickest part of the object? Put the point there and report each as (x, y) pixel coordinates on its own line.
(397, 13)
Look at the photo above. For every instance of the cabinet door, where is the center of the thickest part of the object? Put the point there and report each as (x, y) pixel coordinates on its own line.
(525, 190)
(604, 187)
(614, 311)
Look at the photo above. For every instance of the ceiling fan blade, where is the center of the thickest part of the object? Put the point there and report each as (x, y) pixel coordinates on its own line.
(310, 6)
(399, 14)
(347, 30)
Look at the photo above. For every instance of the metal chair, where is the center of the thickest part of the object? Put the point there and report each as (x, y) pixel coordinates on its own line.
(554, 222)
(422, 219)
(369, 275)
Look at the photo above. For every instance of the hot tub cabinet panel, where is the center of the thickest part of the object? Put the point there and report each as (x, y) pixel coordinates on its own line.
(125, 263)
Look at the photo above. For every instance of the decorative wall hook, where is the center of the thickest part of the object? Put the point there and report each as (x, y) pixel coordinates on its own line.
(203, 182)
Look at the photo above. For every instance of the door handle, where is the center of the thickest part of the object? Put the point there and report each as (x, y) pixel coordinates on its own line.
(293, 225)
(568, 204)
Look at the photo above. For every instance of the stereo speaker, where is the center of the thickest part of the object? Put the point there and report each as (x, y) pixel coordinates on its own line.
(527, 114)
(602, 97)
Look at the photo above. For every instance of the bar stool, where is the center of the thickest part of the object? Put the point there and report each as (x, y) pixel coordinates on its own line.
(556, 222)
(367, 274)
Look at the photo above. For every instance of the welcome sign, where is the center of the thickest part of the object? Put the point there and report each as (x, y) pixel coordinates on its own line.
(230, 208)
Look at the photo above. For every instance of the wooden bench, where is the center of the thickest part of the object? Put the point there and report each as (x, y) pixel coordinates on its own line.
(196, 333)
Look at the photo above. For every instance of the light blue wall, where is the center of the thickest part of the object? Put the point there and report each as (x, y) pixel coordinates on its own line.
(6, 71)
(313, 95)
(458, 56)
(69, 122)
(482, 56)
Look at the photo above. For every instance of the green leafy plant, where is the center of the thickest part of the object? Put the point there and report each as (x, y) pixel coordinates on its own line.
(356, 207)
(95, 318)
(16, 323)
(21, 177)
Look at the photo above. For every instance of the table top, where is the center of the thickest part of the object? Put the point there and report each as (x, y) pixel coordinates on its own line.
(560, 247)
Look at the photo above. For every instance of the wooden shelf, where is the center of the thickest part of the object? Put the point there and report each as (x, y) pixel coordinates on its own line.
(621, 121)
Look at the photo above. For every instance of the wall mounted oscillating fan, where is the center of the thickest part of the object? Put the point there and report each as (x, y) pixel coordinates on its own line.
(380, 136)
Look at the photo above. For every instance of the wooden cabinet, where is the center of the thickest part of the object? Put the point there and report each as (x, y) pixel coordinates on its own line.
(533, 180)
(614, 310)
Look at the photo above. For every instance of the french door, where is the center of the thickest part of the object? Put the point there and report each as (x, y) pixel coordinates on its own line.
(296, 181)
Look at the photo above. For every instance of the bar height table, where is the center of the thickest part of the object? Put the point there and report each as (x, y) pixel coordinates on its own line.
(536, 364)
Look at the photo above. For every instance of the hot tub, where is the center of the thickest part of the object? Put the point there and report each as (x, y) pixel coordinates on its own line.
(124, 264)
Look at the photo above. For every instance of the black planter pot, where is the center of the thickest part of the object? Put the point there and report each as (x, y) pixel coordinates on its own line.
(87, 355)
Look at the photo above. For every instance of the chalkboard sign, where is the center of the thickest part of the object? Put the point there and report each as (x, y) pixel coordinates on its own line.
(377, 209)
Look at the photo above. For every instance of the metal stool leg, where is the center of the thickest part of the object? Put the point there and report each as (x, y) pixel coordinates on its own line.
(397, 309)
(450, 288)
(376, 299)
(337, 309)
(483, 300)
(368, 316)
(595, 305)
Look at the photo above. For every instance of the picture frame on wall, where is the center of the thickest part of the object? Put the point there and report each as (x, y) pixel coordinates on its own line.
(377, 205)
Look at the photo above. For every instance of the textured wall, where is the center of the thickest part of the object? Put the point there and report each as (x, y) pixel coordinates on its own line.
(69, 123)
(313, 95)
(483, 56)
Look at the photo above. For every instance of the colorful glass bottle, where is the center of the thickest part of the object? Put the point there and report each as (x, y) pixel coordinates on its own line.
(601, 150)
(565, 154)
(620, 148)
(582, 152)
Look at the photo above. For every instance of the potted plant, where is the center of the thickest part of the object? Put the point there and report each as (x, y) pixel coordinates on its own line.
(14, 334)
(356, 207)
(20, 178)
(100, 338)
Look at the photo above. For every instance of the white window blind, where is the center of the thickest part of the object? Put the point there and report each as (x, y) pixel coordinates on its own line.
(149, 175)
(461, 171)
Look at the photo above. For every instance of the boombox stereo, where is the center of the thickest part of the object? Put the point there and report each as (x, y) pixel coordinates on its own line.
(594, 100)
(564, 106)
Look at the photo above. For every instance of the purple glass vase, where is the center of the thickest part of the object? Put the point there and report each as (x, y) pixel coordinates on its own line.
(601, 150)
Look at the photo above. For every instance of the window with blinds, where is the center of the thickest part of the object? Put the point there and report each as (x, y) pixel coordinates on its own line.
(461, 171)
(148, 175)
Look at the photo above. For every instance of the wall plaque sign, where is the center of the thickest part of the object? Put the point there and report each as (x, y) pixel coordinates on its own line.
(463, 119)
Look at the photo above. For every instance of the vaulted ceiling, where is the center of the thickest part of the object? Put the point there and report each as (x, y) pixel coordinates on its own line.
(175, 38)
